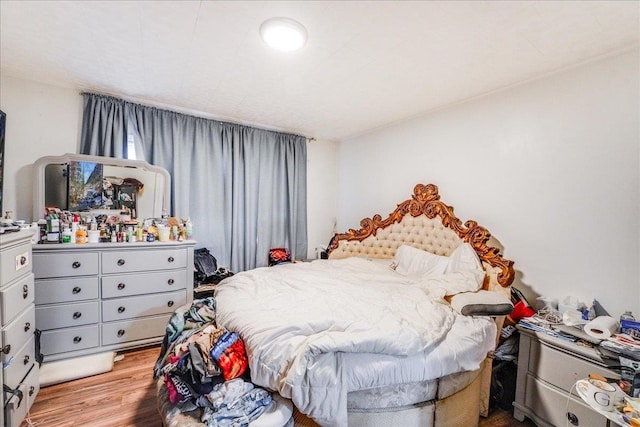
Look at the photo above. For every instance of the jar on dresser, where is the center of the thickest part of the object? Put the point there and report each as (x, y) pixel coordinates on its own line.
(19, 375)
(94, 298)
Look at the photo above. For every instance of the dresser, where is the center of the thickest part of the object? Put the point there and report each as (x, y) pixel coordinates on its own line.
(19, 368)
(95, 298)
(548, 368)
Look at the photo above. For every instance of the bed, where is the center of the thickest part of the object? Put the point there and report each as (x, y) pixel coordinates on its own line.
(375, 335)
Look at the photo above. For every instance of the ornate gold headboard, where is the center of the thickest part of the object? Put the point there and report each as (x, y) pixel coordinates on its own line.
(427, 223)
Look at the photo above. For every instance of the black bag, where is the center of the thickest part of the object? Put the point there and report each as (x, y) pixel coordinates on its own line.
(503, 385)
(204, 266)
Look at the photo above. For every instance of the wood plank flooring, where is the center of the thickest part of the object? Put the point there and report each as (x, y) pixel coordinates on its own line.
(126, 397)
(123, 397)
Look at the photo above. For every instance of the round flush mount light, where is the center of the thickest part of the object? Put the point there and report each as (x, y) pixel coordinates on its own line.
(283, 34)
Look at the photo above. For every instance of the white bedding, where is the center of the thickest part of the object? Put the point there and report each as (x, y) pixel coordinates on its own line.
(315, 331)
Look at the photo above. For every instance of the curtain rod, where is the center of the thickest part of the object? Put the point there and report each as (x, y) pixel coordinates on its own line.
(187, 112)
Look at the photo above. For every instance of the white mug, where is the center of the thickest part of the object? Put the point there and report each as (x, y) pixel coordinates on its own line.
(163, 233)
(598, 394)
(94, 236)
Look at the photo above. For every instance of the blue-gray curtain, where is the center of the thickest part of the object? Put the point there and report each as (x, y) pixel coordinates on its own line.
(104, 132)
(243, 188)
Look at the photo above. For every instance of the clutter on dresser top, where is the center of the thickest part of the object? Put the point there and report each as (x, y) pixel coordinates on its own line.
(60, 226)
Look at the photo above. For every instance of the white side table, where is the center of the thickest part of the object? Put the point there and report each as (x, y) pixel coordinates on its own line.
(548, 367)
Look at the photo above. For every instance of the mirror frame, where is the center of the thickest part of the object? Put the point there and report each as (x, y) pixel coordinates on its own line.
(39, 174)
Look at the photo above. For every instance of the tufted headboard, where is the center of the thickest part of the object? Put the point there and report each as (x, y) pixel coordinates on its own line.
(426, 223)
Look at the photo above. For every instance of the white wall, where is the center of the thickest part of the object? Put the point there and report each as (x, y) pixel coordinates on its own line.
(45, 120)
(551, 168)
(322, 198)
(42, 120)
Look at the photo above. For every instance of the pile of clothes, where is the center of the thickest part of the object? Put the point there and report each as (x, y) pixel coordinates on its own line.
(203, 367)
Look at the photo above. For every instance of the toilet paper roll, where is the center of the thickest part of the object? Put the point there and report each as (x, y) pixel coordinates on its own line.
(602, 327)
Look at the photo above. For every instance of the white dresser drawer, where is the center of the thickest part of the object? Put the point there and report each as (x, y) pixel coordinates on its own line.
(20, 364)
(67, 315)
(143, 260)
(17, 409)
(65, 264)
(69, 339)
(145, 305)
(15, 261)
(18, 332)
(16, 298)
(143, 283)
(550, 404)
(134, 329)
(66, 290)
(559, 368)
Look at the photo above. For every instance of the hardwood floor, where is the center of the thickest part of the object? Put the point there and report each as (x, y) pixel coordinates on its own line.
(126, 397)
(123, 397)
(501, 418)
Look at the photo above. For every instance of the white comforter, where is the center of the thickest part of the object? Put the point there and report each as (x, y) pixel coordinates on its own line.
(298, 320)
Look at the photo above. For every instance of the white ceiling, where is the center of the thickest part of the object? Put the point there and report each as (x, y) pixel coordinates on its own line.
(365, 65)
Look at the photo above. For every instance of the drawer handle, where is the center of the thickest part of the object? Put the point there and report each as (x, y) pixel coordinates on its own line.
(121, 332)
(26, 359)
(121, 286)
(170, 281)
(23, 260)
(76, 290)
(27, 326)
(120, 262)
(121, 309)
(170, 259)
(170, 303)
(25, 291)
(32, 390)
(76, 340)
(76, 264)
(77, 315)
(6, 349)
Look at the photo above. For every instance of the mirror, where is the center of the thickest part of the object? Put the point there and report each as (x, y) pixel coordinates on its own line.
(100, 185)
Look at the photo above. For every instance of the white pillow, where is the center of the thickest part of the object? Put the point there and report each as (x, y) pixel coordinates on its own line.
(463, 258)
(410, 260)
(451, 283)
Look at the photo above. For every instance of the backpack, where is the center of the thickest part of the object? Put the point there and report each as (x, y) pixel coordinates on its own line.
(279, 256)
(204, 266)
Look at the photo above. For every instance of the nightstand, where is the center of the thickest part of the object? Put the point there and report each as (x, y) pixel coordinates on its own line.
(548, 368)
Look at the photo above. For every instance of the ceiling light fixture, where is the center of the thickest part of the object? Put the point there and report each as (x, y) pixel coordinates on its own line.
(283, 34)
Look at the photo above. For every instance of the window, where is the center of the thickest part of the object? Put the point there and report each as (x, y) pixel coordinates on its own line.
(131, 148)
